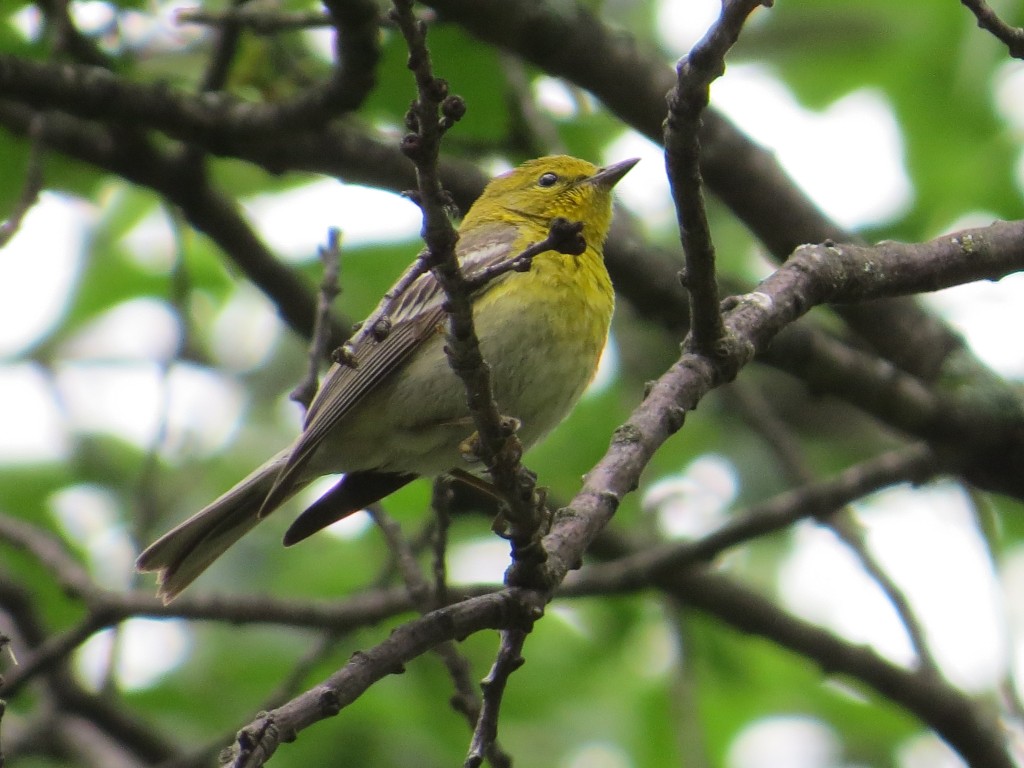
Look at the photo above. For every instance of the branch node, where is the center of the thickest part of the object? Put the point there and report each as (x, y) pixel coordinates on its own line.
(381, 328)
(453, 108)
(344, 355)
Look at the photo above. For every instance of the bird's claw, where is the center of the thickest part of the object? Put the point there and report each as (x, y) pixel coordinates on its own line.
(469, 448)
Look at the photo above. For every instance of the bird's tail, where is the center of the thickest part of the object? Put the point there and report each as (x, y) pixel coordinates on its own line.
(181, 554)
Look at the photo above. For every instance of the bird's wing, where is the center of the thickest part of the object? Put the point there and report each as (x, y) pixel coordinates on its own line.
(417, 313)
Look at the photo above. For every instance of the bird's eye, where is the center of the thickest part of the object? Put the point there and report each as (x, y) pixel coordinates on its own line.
(547, 180)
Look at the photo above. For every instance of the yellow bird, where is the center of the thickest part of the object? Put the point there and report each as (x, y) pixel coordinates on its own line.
(395, 410)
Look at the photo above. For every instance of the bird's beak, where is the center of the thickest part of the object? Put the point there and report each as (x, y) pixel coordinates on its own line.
(609, 176)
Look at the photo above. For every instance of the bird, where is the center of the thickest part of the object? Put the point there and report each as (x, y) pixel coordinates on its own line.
(390, 408)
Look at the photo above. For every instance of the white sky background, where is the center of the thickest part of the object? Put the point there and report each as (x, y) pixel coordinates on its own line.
(112, 383)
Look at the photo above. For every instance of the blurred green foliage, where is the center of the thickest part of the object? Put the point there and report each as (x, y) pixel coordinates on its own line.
(586, 678)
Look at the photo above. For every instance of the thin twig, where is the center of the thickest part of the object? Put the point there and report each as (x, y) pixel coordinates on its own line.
(330, 257)
(765, 421)
(51, 553)
(508, 660)
(685, 694)
(224, 49)
(32, 185)
(818, 499)
(686, 104)
(148, 506)
(379, 321)
(441, 504)
(564, 236)
(67, 39)
(258, 20)
(1012, 37)
(408, 568)
(851, 532)
(432, 113)
(464, 700)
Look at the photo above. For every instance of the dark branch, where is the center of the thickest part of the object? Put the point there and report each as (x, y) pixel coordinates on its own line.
(977, 429)
(208, 119)
(850, 531)
(183, 185)
(255, 19)
(67, 38)
(1012, 37)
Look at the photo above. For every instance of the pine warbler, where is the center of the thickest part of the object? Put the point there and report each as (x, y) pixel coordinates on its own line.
(395, 410)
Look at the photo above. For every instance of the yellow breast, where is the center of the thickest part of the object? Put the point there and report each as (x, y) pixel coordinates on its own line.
(543, 332)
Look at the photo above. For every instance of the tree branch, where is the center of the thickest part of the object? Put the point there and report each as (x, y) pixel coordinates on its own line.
(495, 441)
(260, 739)
(319, 344)
(814, 275)
(686, 103)
(464, 700)
(962, 722)
(1012, 37)
(509, 659)
(820, 500)
(957, 719)
(95, 93)
(258, 20)
(186, 186)
(758, 412)
(571, 42)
